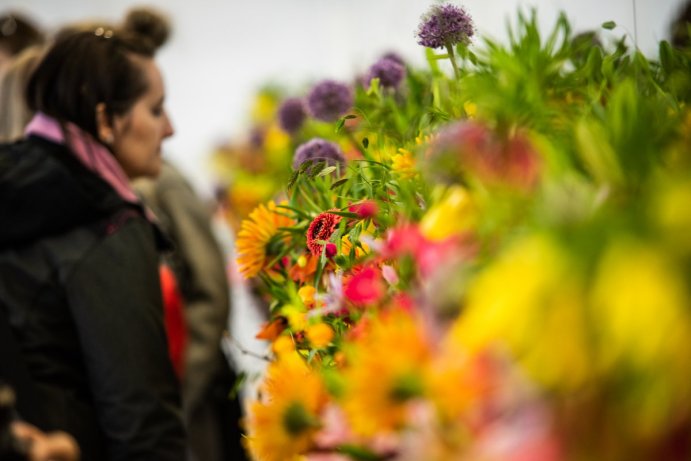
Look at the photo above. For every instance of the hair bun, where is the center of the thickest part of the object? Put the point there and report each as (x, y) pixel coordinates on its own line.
(148, 23)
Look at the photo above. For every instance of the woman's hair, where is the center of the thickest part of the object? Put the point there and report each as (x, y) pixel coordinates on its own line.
(12, 88)
(679, 29)
(84, 68)
(18, 33)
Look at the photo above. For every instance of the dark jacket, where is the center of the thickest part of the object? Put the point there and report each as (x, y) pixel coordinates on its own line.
(213, 432)
(79, 286)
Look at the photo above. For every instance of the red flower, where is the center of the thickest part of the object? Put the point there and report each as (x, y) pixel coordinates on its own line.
(366, 209)
(365, 287)
(331, 250)
(321, 228)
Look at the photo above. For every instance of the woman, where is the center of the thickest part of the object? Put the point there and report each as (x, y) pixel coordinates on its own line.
(79, 284)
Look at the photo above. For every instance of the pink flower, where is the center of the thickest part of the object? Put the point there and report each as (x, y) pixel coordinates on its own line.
(407, 240)
(366, 209)
(365, 287)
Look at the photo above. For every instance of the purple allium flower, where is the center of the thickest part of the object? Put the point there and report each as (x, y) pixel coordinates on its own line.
(291, 115)
(394, 57)
(317, 149)
(445, 25)
(389, 72)
(328, 100)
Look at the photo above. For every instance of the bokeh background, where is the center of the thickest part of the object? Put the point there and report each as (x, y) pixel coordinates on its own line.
(222, 51)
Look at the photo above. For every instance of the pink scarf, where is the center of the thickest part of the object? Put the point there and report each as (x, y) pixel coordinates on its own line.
(90, 152)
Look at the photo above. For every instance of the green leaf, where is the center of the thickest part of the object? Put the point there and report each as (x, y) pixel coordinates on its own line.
(359, 453)
(339, 183)
(327, 170)
(297, 211)
(373, 87)
(342, 120)
(318, 167)
(609, 25)
(304, 165)
(666, 57)
(293, 178)
(345, 214)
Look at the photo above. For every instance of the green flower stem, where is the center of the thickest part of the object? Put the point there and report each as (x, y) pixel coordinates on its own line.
(452, 58)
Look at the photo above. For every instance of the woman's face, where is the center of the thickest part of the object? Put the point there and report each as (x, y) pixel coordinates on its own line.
(139, 133)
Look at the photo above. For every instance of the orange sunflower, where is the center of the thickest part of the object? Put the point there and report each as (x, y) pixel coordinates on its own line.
(255, 234)
(282, 425)
(386, 371)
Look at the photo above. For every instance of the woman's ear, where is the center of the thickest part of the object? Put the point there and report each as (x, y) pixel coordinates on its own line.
(103, 125)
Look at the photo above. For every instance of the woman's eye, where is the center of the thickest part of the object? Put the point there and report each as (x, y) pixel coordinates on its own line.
(157, 111)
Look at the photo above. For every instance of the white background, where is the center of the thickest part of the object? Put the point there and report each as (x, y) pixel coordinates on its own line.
(223, 50)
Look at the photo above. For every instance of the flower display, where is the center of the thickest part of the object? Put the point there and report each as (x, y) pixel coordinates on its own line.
(329, 99)
(491, 264)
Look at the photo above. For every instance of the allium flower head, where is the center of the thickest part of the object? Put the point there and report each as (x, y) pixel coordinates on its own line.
(389, 72)
(445, 25)
(318, 149)
(394, 57)
(328, 100)
(291, 114)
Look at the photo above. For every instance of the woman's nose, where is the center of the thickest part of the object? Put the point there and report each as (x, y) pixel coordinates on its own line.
(168, 130)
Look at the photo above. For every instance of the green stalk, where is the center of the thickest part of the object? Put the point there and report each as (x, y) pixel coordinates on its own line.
(452, 58)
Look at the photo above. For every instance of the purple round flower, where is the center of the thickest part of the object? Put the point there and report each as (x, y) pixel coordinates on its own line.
(394, 57)
(291, 115)
(317, 149)
(445, 25)
(328, 100)
(389, 72)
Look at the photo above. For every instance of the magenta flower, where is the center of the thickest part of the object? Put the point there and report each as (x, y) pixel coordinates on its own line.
(317, 149)
(365, 287)
(445, 25)
(291, 115)
(328, 100)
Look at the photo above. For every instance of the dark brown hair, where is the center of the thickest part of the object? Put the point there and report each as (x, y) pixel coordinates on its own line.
(84, 69)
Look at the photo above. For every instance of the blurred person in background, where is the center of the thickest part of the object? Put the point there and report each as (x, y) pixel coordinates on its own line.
(199, 269)
(79, 283)
(20, 441)
(13, 81)
(16, 34)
